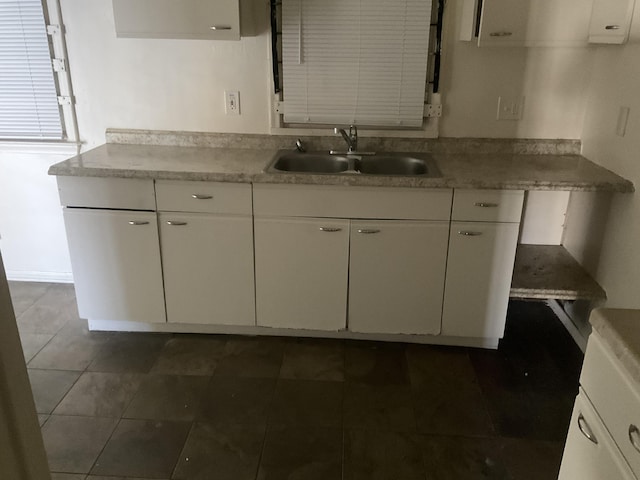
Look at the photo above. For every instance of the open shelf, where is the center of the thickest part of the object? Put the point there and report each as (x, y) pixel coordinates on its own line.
(550, 272)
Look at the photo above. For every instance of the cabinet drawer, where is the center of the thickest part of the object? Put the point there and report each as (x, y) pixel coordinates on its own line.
(351, 202)
(613, 395)
(590, 452)
(204, 197)
(112, 193)
(487, 205)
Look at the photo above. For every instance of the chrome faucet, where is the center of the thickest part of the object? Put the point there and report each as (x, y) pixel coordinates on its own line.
(351, 138)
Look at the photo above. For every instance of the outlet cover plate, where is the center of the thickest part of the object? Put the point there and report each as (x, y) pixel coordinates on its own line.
(510, 108)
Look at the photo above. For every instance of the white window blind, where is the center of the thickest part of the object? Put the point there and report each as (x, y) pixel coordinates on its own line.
(28, 100)
(355, 61)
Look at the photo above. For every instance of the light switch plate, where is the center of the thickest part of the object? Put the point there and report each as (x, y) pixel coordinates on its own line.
(510, 108)
(232, 102)
(623, 118)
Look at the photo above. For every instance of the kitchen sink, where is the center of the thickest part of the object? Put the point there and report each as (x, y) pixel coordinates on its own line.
(299, 162)
(412, 164)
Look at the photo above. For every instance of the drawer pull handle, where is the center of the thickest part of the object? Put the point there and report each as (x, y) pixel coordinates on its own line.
(468, 233)
(199, 196)
(176, 223)
(368, 231)
(486, 205)
(634, 436)
(612, 27)
(500, 34)
(330, 229)
(138, 222)
(586, 431)
(220, 27)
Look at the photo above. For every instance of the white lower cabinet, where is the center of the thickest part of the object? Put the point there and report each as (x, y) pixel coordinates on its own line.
(396, 272)
(115, 257)
(208, 268)
(301, 272)
(590, 453)
(479, 271)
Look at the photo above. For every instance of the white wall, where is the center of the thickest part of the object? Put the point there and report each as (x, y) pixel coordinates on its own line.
(164, 84)
(554, 82)
(33, 240)
(615, 82)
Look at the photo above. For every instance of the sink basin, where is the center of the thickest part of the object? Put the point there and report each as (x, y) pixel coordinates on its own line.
(310, 163)
(408, 164)
(393, 165)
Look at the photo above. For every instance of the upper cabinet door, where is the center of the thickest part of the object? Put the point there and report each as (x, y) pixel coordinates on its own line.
(188, 19)
(610, 21)
(534, 23)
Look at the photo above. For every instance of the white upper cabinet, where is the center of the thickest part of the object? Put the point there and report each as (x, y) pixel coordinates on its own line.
(610, 21)
(188, 19)
(533, 23)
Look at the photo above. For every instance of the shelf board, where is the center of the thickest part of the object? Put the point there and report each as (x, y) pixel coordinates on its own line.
(550, 272)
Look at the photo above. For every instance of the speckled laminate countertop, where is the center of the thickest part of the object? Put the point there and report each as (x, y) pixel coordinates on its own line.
(620, 330)
(459, 170)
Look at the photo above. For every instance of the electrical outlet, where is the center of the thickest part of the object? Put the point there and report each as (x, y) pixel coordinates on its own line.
(510, 108)
(232, 102)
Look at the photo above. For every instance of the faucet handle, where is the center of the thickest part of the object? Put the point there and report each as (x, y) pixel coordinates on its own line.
(353, 131)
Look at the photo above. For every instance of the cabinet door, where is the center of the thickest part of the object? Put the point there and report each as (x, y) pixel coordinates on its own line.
(190, 19)
(208, 268)
(590, 452)
(396, 276)
(301, 272)
(479, 270)
(115, 256)
(610, 21)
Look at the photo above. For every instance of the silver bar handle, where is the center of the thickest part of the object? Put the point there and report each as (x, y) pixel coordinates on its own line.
(368, 231)
(468, 233)
(138, 222)
(586, 430)
(330, 229)
(500, 34)
(486, 205)
(176, 223)
(612, 27)
(200, 196)
(634, 436)
(220, 27)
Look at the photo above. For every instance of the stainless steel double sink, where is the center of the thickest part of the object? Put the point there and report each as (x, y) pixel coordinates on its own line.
(412, 164)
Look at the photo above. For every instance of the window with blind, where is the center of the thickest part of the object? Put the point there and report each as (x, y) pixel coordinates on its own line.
(358, 62)
(28, 98)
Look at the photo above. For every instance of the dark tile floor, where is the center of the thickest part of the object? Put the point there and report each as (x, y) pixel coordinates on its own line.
(161, 406)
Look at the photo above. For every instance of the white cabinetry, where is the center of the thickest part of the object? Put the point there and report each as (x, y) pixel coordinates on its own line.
(191, 19)
(396, 272)
(610, 21)
(207, 257)
(532, 23)
(390, 258)
(301, 272)
(604, 439)
(482, 246)
(116, 264)
(590, 452)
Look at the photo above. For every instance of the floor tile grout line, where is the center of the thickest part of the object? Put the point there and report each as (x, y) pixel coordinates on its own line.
(184, 446)
(104, 446)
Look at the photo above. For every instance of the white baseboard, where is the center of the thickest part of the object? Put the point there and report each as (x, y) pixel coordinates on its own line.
(125, 326)
(50, 277)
